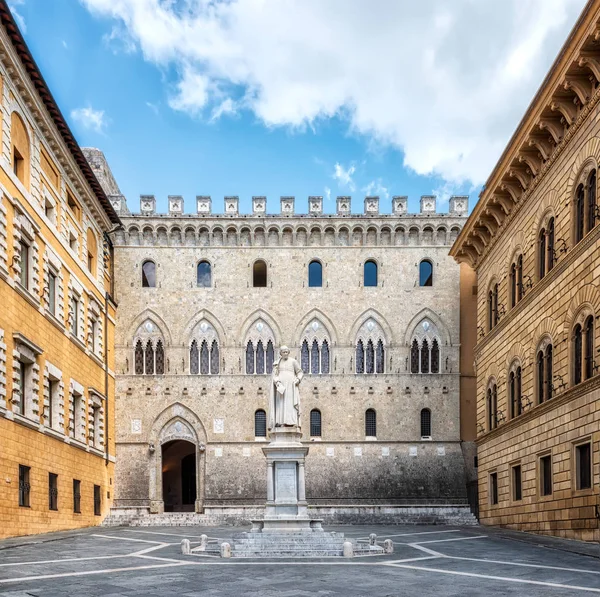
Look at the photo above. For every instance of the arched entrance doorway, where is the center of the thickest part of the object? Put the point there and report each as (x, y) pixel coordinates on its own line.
(179, 476)
(177, 461)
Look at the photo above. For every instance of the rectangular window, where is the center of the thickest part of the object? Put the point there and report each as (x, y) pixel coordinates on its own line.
(23, 374)
(73, 242)
(52, 292)
(24, 486)
(546, 475)
(73, 205)
(583, 464)
(97, 501)
(53, 387)
(75, 315)
(77, 408)
(493, 488)
(516, 483)
(76, 496)
(52, 491)
(24, 279)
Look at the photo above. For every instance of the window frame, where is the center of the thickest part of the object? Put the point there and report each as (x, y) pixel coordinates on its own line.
(53, 492)
(316, 427)
(319, 274)
(371, 425)
(370, 262)
(576, 465)
(426, 424)
(76, 496)
(428, 282)
(256, 273)
(260, 436)
(543, 483)
(516, 487)
(24, 486)
(97, 500)
(145, 280)
(210, 272)
(493, 488)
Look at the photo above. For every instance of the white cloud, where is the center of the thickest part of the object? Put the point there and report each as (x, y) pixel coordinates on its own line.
(65, 45)
(433, 78)
(327, 192)
(376, 188)
(12, 4)
(344, 176)
(226, 107)
(90, 118)
(153, 107)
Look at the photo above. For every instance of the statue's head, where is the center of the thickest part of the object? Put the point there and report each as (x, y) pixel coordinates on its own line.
(284, 352)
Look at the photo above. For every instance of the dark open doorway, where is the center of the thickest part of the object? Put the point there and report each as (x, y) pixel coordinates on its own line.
(179, 476)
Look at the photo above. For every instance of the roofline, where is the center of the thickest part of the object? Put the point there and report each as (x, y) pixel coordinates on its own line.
(45, 94)
(511, 142)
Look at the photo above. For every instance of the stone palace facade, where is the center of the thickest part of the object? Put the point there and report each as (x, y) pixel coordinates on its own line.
(368, 304)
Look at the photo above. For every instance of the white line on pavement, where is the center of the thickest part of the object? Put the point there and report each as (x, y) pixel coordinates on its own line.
(448, 540)
(25, 563)
(501, 578)
(524, 564)
(417, 533)
(131, 539)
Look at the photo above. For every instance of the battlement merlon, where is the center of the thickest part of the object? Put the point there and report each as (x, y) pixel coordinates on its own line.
(458, 206)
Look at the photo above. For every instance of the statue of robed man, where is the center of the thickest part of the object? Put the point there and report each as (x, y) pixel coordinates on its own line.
(284, 403)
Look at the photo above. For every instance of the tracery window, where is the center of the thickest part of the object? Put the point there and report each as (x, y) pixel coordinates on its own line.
(492, 306)
(204, 350)
(370, 348)
(585, 206)
(492, 405)
(425, 273)
(514, 388)
(149, 351)
(314, 349)
(148, 274)
(260, 343)
(544, 371)
(584, 365)
(425, 348)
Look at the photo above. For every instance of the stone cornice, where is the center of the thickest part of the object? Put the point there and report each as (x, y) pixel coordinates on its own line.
(536, 411)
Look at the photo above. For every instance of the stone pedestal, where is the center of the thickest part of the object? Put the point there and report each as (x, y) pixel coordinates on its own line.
(286, 509)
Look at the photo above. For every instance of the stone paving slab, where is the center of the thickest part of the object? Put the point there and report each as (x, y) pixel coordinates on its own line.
(427, 562)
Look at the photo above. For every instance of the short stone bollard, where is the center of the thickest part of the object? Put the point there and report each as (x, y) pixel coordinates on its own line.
(372, 539)
(348, 549)
(388, 546)
(185, 547)
(225, 550)
(203, 543)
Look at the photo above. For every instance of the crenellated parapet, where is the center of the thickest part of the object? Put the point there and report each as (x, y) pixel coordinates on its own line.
(458, 206)
(288, 228)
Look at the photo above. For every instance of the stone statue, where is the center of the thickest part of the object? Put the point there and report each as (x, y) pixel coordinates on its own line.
(284, 404)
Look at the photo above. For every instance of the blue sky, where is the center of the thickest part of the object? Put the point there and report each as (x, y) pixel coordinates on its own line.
(185, 98)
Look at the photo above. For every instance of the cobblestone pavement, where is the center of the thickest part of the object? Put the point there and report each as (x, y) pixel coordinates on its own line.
(427, 561)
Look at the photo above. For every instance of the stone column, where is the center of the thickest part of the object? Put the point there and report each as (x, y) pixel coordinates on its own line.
(301, 483)
(270, 489)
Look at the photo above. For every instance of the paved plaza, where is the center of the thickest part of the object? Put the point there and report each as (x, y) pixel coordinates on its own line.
(427, 561)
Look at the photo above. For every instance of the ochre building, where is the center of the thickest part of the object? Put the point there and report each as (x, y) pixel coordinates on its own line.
(534, 241)
(56, 313)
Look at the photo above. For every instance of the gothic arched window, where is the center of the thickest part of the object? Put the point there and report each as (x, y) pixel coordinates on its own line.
(514, 386)
(414, 357)
(315, 274)
(315, 423)
(360, 357)
(259, 348)
(249, 358)
(204, 350)
(194, 360)
(204, 275)
(425, 348)
(315, 348)
(425, 423)
(425, 273)
(139, 358)
(149, 356)
(259, 274)
(370, 423)
(370, 273)
(260, 423)
(160, 358)
(370, 348)
(550, 245)
(148, 274)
